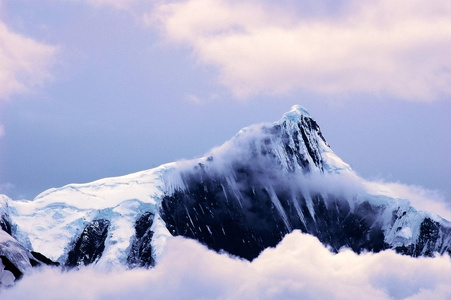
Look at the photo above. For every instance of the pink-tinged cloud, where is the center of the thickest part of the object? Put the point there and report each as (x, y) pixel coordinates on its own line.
(384, 47)
(300, 267)
(24, 63)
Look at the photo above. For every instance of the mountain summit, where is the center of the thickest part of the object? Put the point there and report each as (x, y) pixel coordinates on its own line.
(242, 197)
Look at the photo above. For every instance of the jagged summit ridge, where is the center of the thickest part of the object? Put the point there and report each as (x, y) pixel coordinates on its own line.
(295, 142)
(299, 116)
(304, 137)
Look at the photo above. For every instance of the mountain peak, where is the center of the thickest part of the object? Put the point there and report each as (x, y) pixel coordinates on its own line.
(246, 196)
(296, 112)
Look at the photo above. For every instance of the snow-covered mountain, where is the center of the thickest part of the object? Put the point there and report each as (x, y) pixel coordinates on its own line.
(242, 197)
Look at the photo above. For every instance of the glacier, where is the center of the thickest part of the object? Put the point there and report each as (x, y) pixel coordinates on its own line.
(241, 198)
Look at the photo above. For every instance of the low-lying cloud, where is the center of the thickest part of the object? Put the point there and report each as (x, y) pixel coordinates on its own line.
(300, 267)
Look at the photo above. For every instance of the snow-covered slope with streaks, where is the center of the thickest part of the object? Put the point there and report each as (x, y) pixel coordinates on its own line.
(52, 221)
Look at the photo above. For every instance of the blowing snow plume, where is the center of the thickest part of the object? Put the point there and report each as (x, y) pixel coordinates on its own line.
(242, 198)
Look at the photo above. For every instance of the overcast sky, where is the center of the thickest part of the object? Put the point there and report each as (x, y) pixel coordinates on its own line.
(99, 88)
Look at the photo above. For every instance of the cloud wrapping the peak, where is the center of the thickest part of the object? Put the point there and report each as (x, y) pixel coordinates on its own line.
(300, 267)
(24, 63)
(394, 48)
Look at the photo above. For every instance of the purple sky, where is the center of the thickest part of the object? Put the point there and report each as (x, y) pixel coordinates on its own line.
(99, 88)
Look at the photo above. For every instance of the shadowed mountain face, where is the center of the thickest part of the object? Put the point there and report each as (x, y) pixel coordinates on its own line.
(141, 252)
(89, 245)
(247, 220)
(244, 222)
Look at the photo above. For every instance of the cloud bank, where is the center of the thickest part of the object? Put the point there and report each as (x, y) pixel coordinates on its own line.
(387, 47)
(300, 267)
(24, 63)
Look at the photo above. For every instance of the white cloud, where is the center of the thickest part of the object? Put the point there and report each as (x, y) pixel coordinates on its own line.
(389, 47)
(424, 199)
(420, 198)
(2, 130)
(298, 268)
(24, 63)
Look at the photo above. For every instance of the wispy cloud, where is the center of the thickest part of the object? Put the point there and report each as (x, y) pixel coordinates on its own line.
(420, 197)
(393, 48)
(300, 267)
(24, 63)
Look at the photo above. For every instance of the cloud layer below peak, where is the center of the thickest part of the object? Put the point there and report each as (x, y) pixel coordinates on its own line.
(300, 267)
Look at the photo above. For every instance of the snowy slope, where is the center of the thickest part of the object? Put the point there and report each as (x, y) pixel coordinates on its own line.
(15, 259)
(242, 197)
(51, 221)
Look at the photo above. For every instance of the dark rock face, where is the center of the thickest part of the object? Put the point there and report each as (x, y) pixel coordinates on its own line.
(306, 127)
(90, 244)
(5, 224)
(298, 141)
(211, 213)
(8, 265)
(250, 215)
(141, 254)
(433, 238)
(42, 259)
